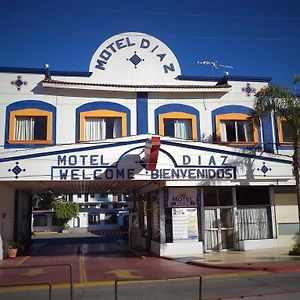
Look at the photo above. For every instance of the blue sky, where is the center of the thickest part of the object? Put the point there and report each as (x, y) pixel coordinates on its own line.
(257, 38)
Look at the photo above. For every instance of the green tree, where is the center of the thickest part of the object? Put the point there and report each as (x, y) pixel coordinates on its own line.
(283, 103)
(65, 210)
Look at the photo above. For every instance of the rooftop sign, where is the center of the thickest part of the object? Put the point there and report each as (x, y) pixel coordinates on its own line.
(134, 57)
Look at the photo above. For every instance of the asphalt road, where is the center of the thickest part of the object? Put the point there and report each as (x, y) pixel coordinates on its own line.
(100, 260)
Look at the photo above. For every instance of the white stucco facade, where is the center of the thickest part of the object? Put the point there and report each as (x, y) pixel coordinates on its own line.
(135, 79)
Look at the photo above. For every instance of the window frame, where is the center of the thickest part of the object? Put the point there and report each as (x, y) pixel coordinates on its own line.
(101, 113)
(177, 115)
(235, 117)
(280, 121)
(30, 112)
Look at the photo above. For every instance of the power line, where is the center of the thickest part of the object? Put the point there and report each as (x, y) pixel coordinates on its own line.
(33, 19)
(72, 7)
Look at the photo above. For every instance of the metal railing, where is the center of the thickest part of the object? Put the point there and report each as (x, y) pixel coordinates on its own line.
(118, 281)
(9, 285)
(46, 266)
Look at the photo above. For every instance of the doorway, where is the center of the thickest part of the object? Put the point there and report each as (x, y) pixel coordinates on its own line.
(218, 228)
(218, 225)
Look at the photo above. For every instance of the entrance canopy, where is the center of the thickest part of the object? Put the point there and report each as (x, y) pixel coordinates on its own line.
(118, 166)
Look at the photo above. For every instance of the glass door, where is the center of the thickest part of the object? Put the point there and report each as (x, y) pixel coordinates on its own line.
(218, 229)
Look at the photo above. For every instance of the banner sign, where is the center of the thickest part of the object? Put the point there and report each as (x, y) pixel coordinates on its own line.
(182, 197)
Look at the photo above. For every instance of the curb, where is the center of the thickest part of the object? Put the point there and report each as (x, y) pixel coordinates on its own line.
(278, 269)
(227, 267)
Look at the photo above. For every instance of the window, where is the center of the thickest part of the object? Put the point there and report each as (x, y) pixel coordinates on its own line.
(217, 196)
(30, 126)
(178, 124)
(40, 220)
(110, 218)
(97, 129)
(93, 218)
(284, 134)
(181, 129)
(254, 219)
(99, 125)
(236, 129)
(55, 221)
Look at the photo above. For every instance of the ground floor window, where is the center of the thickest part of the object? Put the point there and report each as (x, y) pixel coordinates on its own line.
(253, 223)
(254, 219)
(93, 218)
(40, 220)
(110, 218)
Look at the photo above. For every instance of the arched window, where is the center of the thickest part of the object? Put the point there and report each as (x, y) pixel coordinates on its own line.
(99, 125)
(178, 124)
(30, 122)
(284, 134)
(98, 121)
(232, 126)
(236, 129)
(177, 120)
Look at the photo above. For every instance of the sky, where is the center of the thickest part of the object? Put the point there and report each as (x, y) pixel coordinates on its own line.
(257, 38)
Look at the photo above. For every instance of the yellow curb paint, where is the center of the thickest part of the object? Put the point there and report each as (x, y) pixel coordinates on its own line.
(222, 275)
(44, 232)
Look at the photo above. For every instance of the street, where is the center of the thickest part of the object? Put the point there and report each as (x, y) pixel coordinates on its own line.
(99, 260)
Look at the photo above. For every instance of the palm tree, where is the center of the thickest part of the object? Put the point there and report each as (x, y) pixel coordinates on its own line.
(285, 104)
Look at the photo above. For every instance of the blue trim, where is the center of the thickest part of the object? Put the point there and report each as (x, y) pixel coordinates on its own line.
(72, 150)
(229, 78)
(98, 106)
(228, 152)
(142, 113)
(231, 109)
(163, 142)
(178, 108)
(43, 71)
(29, 104)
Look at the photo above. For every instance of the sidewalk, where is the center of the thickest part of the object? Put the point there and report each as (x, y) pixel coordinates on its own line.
(273, 260)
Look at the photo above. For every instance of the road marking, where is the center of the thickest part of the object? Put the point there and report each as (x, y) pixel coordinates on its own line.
(112, 282)
(34, 272)
(124, 273)
(137, 254)
(83, 276)
(23, 260)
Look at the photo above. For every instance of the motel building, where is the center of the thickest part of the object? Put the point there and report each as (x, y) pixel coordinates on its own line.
(198, 175)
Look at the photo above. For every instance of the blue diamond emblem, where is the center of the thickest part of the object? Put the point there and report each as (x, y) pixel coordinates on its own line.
(248, 89)
(17, 170)
(264, 169)
(18, 82)
(135, 59)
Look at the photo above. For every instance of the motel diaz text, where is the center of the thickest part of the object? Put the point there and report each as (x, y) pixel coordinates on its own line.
(95, 167)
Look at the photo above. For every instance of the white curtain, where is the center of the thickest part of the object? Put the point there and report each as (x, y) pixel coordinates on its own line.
(95, 129)
(24, 128)
(117, 129)
(253, 223)
(211, 232)
(223, 132)
(182, 129)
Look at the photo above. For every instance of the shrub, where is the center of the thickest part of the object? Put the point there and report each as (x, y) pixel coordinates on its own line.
(295, 250)
(65, 211)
